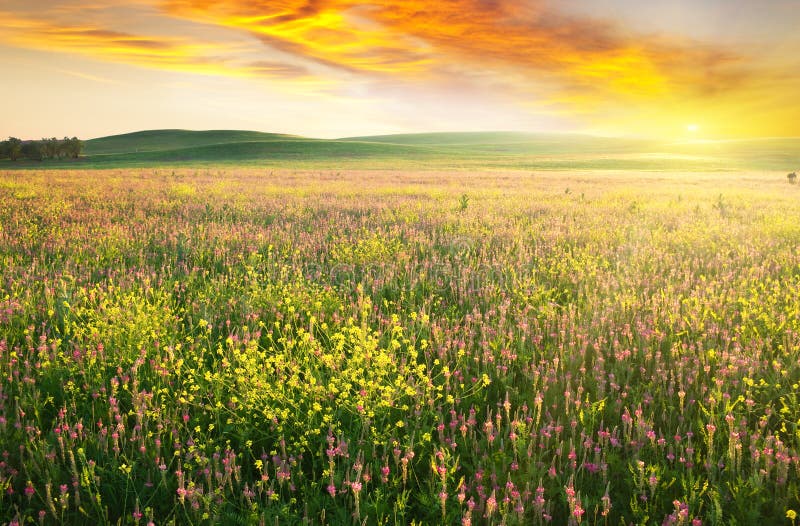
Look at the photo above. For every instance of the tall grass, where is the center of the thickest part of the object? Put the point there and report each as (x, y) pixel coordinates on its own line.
(239, 347)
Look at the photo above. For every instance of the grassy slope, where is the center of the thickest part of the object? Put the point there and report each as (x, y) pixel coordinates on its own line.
(159, 140)
(556, 151)
(288, 150)
(511, 142)
(470, 150)
(778, 153)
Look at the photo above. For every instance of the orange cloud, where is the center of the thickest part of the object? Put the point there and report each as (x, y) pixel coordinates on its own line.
(339, 34)
(423, 38)
(168, 53)
(529, 52)
(551, 63)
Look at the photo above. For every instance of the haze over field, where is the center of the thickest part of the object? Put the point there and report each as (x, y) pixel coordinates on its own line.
(680, 70)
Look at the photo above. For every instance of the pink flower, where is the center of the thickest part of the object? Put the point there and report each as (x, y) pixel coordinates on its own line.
(491, 505)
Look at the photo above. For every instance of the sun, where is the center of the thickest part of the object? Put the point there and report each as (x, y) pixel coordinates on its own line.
(692, 128)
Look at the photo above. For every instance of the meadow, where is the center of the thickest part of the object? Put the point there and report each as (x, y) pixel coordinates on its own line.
(251, 345)
(454, 151)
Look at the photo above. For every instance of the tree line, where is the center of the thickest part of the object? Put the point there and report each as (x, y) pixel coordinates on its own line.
(52, 148)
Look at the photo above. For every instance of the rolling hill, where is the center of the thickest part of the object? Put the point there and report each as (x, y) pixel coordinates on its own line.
(161, 140)
(237, 146)
(459, 150)
(295, 149)
(510, 142)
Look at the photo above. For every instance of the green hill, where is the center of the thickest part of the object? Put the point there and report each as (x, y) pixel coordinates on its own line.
(577, 151)
(461, 150)
(778, 153)
(515, 143)
(460, 138)
(272, 150)
(160, 140)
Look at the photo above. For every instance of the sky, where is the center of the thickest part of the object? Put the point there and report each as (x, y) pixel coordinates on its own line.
(679, 69)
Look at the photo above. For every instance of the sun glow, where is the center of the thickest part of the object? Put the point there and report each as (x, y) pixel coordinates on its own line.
(535, 65)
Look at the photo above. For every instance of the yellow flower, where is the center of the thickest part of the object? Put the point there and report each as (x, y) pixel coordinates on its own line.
(791, 515)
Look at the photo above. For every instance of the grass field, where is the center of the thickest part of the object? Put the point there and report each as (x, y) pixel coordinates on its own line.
(218, 345)
(442, 151)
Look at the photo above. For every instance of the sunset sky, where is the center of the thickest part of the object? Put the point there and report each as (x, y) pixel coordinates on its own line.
(680, 69)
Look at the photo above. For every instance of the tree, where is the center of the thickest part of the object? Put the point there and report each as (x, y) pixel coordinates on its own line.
(74, 147)
(50, 148)
(61, 148)
(33, 150)
(14, 148)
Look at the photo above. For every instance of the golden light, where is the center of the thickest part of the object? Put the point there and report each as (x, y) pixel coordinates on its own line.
(692, 128)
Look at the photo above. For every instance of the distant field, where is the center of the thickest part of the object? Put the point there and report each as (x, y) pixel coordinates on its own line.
(447, 151)
(217, 345)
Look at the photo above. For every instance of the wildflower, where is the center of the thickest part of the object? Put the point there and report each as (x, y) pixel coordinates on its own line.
(606, 501)
(491, 505)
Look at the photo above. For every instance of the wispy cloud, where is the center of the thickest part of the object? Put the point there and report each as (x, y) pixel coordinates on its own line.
(423, 38)
(172, 53)
(527, 51)
(551, 63)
